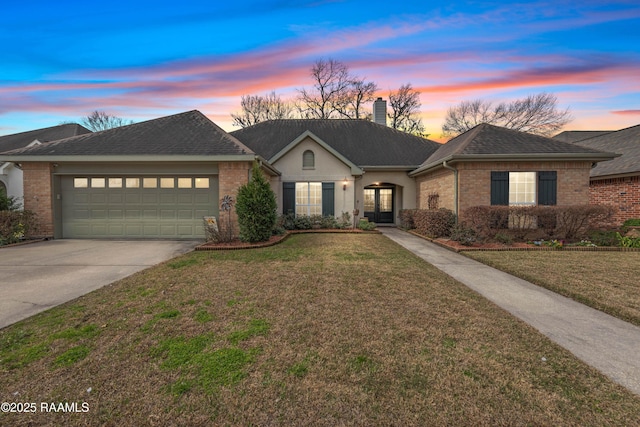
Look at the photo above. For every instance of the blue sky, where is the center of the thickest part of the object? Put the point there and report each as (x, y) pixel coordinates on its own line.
(144, 59)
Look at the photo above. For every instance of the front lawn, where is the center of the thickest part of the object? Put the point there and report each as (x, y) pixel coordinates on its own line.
(323, 329)
(607, 281)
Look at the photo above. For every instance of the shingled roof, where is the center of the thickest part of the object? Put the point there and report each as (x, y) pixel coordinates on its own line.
(362, 142)
(22, 139)
(578, 135)
(489, 142)
(185, 134)
(625, 142)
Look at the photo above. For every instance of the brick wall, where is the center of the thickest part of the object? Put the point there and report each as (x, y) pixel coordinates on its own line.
(439, 182)
(38, 190)
(621, 193)
(231, 176)
(474, 182)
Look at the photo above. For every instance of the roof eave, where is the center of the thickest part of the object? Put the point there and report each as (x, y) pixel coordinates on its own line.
(532, 157)
(130, 158)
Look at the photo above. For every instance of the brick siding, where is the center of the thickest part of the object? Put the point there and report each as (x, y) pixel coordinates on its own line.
(474, 182)
(232, 175)
(38, 195)
(621, 193)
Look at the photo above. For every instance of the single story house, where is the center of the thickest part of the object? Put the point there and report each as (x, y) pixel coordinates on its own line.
(11, 181)
(159, 178)
(615, 183)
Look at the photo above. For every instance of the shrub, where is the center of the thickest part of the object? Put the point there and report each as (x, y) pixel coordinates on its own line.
(633, 222)
(406, 218)
(464, 235)
(16, 226)
(628, 242)
(345, 220)
(364, 224)
(434, 222)
(256, 208)
(8, 203)
(565, 222)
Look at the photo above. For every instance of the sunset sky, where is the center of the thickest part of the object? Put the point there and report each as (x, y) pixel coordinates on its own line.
(144, 59)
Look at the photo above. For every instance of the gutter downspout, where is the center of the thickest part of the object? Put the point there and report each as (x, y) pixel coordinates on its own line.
(455, 188)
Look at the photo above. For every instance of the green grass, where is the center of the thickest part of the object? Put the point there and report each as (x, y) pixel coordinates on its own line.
(323, 329)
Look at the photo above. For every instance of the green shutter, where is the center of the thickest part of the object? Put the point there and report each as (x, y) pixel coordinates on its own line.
(547, 188)
(288, 197)
(499, 188)
(328, 192)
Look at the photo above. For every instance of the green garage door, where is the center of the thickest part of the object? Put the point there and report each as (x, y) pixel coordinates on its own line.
(137, 207)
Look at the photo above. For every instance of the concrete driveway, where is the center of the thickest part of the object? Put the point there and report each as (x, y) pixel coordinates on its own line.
(38, 276)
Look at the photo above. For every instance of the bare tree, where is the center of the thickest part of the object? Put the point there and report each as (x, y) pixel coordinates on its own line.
(100, 120)
(405, 108)
(336, 93)
(537, 114)
(257, 108)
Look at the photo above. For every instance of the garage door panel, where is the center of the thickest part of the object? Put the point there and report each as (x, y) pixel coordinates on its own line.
(98, 214)
(136, 212)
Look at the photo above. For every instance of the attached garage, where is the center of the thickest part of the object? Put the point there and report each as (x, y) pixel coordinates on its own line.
(137, 206)
(153, 179)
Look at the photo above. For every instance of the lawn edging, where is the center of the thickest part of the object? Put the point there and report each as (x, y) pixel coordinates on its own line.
(277, 239)
(459, 248)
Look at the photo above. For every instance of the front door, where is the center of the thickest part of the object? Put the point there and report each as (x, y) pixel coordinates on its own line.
(378, 204)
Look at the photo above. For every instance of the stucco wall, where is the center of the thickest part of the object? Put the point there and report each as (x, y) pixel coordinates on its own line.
(328, 168)
(621, 193)
(12, 177)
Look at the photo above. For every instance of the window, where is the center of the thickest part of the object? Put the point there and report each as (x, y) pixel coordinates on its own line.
(150, 182)
(308, 160)
(308, 198)
(167, 182)
(524, 188)
(115, 182)
(80, 182)
(184, 182)
(132, 182)
(202, 182)
(98, 183)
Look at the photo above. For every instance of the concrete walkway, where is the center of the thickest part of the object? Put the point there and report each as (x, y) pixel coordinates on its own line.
(608, 344)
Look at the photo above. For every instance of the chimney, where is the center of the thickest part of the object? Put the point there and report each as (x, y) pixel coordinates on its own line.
(380, 112)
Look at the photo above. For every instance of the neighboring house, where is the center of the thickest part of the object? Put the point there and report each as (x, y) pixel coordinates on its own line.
(333, 166)
(153, 179)
(616, 183)
(11, 175)
(491, 165)
(159, 178)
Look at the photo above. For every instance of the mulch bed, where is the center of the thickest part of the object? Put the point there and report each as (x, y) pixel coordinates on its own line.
(273, 240)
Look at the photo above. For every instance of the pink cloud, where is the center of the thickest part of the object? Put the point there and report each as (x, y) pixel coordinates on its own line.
(627, 112)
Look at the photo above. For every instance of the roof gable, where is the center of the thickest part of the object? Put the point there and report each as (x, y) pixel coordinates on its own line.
(355, 170)
(625, 142)
(361, 142)
(188, 134)
(489, 142)
(24, 139)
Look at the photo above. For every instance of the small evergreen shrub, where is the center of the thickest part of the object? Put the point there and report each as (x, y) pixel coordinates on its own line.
(434, 222)
(406, 218)
(365, 225)
(256, 208)
(463, 235)
(16, 226)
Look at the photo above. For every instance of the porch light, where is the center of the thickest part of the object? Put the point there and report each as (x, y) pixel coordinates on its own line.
(344, 184)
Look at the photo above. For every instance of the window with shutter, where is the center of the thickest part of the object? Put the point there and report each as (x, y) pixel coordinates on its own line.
(308, 160)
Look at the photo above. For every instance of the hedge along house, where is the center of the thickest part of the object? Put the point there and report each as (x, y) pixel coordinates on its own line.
(491, 165)
(11, 179)
(615, 183)
(333, 166)
(154, 179)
